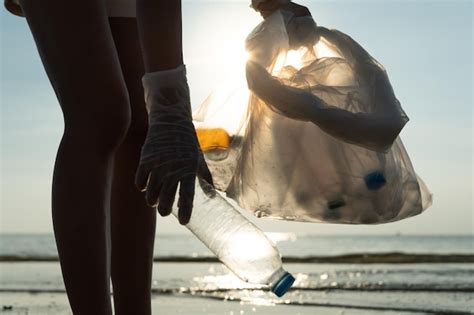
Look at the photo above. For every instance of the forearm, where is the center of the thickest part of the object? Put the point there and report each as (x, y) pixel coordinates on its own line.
(160, 31)
(375, 131)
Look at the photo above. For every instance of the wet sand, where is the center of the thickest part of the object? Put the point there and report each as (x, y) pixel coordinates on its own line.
(56, 304)
(206, 288)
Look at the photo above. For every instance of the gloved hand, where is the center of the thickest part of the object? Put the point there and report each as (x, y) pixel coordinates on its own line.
(267, 7)
(301, 27)
(171, 153)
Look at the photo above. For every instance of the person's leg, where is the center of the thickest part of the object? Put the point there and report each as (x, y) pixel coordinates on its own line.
(76, 46)
(133, 221)
(160, 30)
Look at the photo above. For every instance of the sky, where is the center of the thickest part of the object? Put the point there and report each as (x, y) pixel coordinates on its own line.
(426, 47)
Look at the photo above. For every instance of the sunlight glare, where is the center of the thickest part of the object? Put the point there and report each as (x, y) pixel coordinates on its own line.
(323, 50)
(250, 245)
(293, 58)
(277, 237)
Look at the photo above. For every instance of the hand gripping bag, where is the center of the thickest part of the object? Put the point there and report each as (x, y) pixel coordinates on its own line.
(316, 138)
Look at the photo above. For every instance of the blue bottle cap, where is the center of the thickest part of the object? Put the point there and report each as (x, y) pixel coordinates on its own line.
(283, 285)
(375, 180)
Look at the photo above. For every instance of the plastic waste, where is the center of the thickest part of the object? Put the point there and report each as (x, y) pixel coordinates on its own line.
(237, 242)
(317, 137)
(171, 145)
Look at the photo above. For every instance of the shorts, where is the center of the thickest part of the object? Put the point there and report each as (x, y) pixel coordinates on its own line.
(115, 8)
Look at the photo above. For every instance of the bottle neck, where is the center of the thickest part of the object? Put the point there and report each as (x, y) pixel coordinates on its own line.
(276, 276)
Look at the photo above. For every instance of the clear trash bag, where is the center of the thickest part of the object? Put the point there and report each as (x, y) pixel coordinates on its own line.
(320, 141)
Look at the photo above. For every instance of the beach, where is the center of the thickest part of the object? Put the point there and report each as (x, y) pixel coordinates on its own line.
(214, 290)
(334, 275)
(421, 265)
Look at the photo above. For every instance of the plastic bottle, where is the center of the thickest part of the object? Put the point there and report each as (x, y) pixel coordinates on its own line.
(237, 242)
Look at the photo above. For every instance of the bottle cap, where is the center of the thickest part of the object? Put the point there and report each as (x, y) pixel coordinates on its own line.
(375, 180)
(283, 284)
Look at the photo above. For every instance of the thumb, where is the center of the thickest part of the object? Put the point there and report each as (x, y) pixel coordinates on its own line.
(250, 74)
(141, 177)
(262, 83)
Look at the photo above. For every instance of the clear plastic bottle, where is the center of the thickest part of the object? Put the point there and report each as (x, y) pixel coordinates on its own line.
(237, 242)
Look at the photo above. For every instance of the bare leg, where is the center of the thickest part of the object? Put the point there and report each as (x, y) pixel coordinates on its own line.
(160, 30)
(78, 53)
(133, 221)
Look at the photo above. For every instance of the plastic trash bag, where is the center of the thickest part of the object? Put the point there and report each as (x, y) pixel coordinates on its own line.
(317, 138)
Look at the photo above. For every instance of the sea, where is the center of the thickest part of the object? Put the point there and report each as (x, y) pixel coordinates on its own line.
(396, 274)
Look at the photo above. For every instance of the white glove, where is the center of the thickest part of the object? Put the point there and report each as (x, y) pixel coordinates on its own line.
(171, 153)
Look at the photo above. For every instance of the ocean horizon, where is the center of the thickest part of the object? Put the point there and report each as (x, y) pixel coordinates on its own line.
(42, 247)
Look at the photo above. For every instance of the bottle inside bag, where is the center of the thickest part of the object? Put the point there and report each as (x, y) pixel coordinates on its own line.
(316, 138)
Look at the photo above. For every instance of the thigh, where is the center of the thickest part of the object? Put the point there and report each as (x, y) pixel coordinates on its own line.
(78, 53)
(125, 35)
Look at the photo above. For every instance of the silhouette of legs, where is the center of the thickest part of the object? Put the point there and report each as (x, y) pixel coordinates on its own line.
(133, 221)
(100, 219)
(77, 49)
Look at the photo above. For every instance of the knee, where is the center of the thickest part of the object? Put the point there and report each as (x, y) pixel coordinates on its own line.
(138, 127)
(101, 126)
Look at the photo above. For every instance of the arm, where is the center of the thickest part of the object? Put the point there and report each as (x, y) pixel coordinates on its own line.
(170, 155)
(374, 131)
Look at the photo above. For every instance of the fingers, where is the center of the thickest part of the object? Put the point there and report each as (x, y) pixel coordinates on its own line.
(186, 196)
(250, 69)
(153, 188)
(141, 177)
(208, 189)
(261, 82)
(167, 195)
(161, 185)
(297, 10)
(205, 178)
(258, 77)
(268, 6)
(203, 171)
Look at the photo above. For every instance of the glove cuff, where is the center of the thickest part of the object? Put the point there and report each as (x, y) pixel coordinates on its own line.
(156, 86)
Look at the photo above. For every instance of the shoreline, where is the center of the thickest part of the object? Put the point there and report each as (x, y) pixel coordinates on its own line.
(361, 258)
